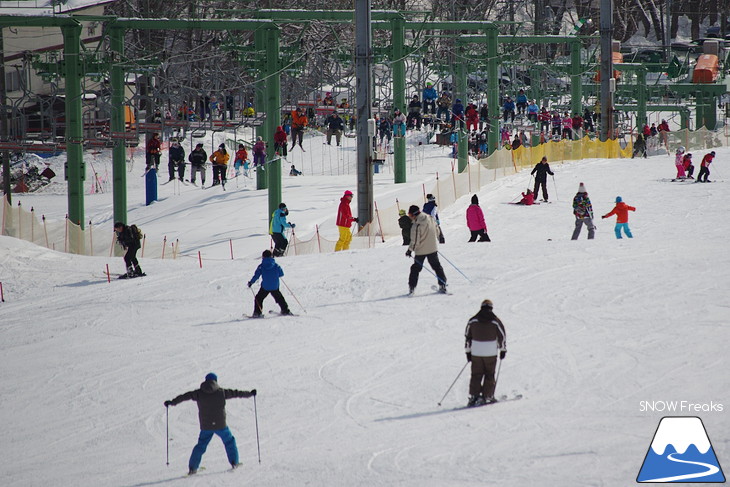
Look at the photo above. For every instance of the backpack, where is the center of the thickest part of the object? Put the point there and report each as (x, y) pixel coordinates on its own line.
(136, 232)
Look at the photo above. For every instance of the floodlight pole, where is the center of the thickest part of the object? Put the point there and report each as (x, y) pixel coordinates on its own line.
(363, 73)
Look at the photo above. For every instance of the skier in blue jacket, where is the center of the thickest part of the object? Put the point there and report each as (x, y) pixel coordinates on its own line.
(430, 95)
(278, 224)
(270, 272)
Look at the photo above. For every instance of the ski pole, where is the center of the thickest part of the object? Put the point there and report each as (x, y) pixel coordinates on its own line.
(293, 295)
(256, 417)
(452, 264)
(556, 189)
(496, 376)
(167, 432)
(452, 384)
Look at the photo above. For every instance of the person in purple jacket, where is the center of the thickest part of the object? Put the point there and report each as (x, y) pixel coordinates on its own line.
(475, 221)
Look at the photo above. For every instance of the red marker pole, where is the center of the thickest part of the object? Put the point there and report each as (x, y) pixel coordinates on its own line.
(200, 259)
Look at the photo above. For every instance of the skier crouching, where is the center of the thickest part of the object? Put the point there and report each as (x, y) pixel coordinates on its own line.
(129, 238)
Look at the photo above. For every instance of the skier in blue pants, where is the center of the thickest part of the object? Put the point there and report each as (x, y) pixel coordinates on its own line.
(211, 400)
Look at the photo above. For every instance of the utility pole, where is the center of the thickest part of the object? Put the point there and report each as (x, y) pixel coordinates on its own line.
(363, 74)
(606, 32)
(668, 27)
(4, 155)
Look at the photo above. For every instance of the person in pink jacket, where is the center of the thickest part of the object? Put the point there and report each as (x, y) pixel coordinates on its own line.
(475, 221)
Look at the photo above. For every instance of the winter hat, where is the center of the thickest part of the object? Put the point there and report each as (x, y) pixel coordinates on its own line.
(266, 253)
(401, 212)
(222, 146)
(198, 145)
(430, 197)
(582, 188)
(618, 199)
(212, 377)
(487, 303)
(259, 138)
(282, 205)
(413, 210)
(475, 200)
(240, 146)
(348, 193)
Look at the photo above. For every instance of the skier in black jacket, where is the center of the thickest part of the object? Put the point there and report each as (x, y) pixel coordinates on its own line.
(131, 244)
(211, 400)
(542, 169)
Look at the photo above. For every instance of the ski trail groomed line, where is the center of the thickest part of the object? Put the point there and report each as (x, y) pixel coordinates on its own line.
(711, 469)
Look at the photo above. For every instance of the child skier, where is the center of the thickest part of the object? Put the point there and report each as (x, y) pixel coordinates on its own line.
(270, 272)
(678, 159)
(621, 210)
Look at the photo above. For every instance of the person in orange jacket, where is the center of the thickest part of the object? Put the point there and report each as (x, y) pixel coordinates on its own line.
(621, 210)
(344, 221)
(299, 122)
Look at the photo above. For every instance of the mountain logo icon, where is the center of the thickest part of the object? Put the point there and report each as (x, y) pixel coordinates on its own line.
(681, 452)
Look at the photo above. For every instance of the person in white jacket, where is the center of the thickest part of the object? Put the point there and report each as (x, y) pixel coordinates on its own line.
(424, 243)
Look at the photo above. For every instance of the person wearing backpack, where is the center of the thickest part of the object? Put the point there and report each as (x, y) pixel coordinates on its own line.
(129, 237)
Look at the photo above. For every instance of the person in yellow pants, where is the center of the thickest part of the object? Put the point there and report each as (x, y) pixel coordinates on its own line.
(344, 221)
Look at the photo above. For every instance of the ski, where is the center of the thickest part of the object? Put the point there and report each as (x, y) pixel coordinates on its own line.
(438, 290)
(126, 276)
(278, 313)
(502, 398)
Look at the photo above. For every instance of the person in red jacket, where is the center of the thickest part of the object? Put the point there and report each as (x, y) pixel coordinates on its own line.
(621, 210)
(154, 151)
(475, 221)
(280, 141)
(705, 168)
(344, 221)
(687, 163)
(528, 199)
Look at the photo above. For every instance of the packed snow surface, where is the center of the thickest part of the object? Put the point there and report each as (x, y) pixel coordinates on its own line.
(348, 390)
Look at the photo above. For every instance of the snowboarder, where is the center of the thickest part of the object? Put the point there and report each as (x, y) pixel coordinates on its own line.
(220, 160)
(485, 339)
(431, 208)
(276, 229)
(405, 224)
(583, 211)
(475, 221)
(129, 238)
(621, 210)
(424, 243)
(177, 160)
(705, 168)
(211, 400)
(197, 160)
(270, 272)
(541, 170)
(344, 221)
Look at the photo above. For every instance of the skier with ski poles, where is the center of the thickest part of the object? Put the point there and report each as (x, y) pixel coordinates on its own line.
(211, 400)
(424, 243)
(485, 340)
(270, 272)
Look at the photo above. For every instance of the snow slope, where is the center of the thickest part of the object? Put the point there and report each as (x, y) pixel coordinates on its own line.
(348, 389)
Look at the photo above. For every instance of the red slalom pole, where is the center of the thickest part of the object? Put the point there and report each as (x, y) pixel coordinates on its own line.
(230, 241)
(108, 277)
(200, 259)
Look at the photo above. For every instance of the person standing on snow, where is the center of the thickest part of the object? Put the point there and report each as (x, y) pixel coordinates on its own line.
(475, 221)
(485, 339)
(220, 160)
(621, 210)
(583, 211)
(197, 160)
(678, 158)
(424, 243)
(542, 169)
(344, 222)
(177, 160)
(270, 272)
(705, 168)
(129, 238)
(405, 224)
(431, 208)
(211, 401)
(276, 229)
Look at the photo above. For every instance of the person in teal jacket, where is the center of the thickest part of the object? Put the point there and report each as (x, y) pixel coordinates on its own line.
(269, 272)
(278, 224)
